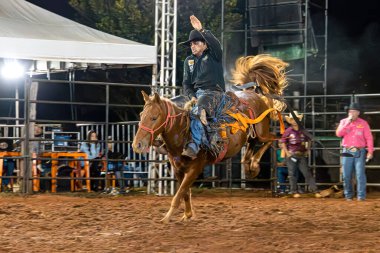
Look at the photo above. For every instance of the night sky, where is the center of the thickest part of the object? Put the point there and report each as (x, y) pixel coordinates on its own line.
(354, 46)
(354, 43)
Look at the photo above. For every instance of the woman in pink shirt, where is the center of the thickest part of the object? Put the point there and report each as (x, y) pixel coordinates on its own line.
(357, 146)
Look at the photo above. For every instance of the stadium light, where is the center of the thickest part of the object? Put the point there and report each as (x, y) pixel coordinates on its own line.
(12, 70)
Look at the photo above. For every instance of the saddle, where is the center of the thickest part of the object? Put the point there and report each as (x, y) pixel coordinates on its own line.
(230, 117)
(231, 114)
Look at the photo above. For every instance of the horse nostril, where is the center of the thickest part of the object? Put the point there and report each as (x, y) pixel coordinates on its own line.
(139, 145)
(136, 146)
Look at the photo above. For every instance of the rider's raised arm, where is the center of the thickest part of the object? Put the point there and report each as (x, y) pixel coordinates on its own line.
(212, 41)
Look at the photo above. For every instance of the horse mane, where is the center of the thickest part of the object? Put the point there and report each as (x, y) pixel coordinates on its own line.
(267, 71)
(185, 118)
(172, 103)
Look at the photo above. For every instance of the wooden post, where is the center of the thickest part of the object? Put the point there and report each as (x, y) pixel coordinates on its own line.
(31, 90)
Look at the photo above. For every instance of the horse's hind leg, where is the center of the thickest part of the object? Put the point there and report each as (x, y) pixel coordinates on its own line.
(251, 160)
(254, 167)
(246, 160)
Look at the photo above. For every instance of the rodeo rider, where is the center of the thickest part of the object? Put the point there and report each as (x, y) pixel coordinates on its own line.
(203, 81)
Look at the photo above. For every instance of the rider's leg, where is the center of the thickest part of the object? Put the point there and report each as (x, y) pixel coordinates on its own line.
(206, 104)
(192, 148)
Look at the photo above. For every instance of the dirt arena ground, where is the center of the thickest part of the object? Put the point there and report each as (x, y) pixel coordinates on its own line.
(226, 221)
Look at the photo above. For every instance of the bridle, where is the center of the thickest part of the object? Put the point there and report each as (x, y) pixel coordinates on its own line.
(169, 117)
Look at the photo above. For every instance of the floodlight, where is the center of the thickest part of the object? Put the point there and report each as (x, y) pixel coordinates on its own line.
(12, 70)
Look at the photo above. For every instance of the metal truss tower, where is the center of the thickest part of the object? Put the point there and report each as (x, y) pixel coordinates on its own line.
(164, 81)
(165, 40)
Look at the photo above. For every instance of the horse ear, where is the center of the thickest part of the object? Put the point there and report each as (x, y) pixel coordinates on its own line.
(146, 96)
(156, 98)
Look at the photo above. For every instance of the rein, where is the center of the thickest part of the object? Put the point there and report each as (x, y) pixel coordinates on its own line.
(169, 117)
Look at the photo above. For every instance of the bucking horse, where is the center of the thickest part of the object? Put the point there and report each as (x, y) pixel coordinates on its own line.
(257, 77)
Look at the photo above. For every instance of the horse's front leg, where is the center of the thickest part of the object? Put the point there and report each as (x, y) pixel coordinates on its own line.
(183, 192)
(189, 211)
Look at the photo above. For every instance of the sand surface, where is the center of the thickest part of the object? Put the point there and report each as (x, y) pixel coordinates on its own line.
(227, 221)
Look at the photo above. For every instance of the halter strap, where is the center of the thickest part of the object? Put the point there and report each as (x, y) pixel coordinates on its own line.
(169, 117)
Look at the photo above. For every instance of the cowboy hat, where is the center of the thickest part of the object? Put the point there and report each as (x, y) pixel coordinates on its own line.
(289, 117)
(353, 106)
(194, 35)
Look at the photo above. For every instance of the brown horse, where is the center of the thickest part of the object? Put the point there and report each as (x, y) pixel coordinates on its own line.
(161, 117)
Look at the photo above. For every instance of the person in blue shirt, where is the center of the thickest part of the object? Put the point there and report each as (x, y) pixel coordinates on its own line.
(9, 166)
(282, 172)
(43, 166)
(117, 167)
(94, 150)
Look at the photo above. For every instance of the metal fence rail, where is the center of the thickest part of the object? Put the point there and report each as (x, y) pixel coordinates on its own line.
(153, 171)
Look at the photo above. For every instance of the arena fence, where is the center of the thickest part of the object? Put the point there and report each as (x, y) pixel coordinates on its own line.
(321, 117)
(65, 125)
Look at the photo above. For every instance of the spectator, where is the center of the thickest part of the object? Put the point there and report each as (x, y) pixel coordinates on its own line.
(295, 146)
(8, 164)
(36, 145)
(357, 147)
(282, 172)
(8, 167)
(94, 150)
(206, 175)
(117, 167)
(43, 166)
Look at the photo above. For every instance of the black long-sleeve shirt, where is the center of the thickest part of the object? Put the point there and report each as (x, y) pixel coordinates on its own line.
(205, 72)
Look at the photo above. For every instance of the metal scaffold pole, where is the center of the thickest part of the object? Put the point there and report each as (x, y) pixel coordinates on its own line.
(166, 44)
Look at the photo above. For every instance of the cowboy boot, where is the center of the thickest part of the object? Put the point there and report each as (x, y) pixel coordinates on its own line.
(191, 150)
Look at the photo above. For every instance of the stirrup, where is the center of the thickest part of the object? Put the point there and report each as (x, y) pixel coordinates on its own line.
(189, 152)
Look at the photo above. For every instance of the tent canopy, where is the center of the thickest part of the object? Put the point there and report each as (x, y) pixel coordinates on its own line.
(30, 32)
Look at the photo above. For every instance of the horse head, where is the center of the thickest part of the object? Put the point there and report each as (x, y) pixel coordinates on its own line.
(153, 119)
(159, 117)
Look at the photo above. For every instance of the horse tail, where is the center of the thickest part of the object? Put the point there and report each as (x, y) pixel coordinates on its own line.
(268, 73)
(265, 70)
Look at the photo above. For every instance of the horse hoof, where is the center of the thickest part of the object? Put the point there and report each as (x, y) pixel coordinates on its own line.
(185, 218)
(164, 220)
(253, 172)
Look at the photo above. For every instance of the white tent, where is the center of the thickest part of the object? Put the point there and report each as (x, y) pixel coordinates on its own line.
(30, 32)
